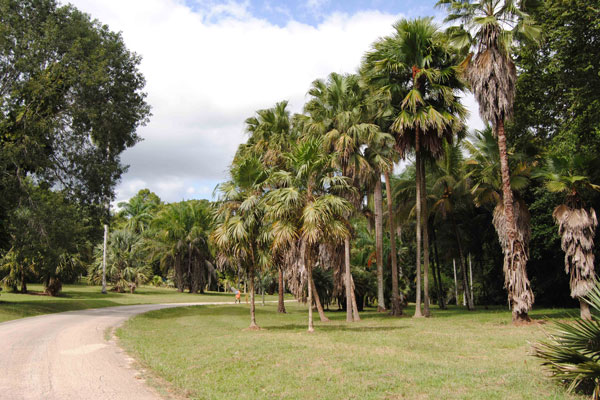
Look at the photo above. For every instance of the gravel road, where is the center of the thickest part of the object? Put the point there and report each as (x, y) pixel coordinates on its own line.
(66, 356)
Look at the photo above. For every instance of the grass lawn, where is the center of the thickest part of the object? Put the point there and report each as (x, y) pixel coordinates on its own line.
(78, 297)
(205, 353)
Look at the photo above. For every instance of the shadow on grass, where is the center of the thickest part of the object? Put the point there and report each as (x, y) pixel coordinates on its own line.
(329, 328)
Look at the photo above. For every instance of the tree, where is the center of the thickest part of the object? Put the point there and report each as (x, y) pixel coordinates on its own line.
(139, 210)
(430, 111)
(304, 211)
(337, 111)
(271, 136)
(576, 225)
(239, 234)
(127, 266)
(492, 75)
(180, 241)
(451, 187)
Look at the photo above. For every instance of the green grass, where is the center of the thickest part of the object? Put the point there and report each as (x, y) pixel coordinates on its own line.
(79, 297)
(205, 353)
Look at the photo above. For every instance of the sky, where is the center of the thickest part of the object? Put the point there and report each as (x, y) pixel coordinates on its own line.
(210, 64)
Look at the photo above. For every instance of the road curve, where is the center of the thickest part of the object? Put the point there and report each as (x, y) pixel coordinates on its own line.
(66, 356)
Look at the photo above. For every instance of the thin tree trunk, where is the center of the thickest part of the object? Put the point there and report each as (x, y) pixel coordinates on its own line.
(354, 305)
(378, 199)
(396, 307)
(253, 325)
(23, 281)
(308, 263)
(439, 274)
(190, 278)
(425, 222)
(317, 301)
(348, 280)
(281, 303)
(584, 310)
(178, 274)
(434, 268)
(520, 296)
(471, 280)
(104, 259)
(463, 267)
(455, 281)
(418, 226)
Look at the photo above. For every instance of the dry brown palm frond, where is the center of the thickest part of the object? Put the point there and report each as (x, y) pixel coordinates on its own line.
(516, 253)
(492, 76)
(296, 273)
(576, 227)
(332, 256)
(522, 218)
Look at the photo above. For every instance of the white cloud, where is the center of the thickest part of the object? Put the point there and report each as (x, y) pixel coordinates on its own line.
(208, 69)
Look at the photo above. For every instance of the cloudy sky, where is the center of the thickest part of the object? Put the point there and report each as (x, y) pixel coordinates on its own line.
(209, 64)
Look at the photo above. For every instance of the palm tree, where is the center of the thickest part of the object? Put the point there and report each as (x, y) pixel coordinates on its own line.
(304, 211)
(337, 111)
(180, 241)
(139, 210)
(239, 234)
(419, 54)
(272, 134)
(452, 188)
(492, 75)
(126, 262)
(487, 187)
(576, 225)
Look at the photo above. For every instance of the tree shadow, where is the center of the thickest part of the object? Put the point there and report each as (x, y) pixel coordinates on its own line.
(333, 328)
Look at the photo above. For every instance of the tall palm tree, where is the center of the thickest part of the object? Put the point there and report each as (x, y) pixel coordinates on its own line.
(491, 27)
(305, 208)
(337, 112)
(272, 135)
(576, 224)
(239, 234)
(487, 187)
(419, 54)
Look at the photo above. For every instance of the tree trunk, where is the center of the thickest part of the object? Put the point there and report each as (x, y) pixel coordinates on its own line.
(442, 300)
(520, 296)
(104, 259)
(353, 296)
(189, 274)
(317, 301)
(308, 263)
(425, 222)
(584, 310)
(281, 303)
(434, 268)
(471, 280)
(178, 274)
(455, 281)
(418, 226)
(396, 307)
(348, 281)
(378, 198)
(253, 325)
(23, 281)
(463, 267)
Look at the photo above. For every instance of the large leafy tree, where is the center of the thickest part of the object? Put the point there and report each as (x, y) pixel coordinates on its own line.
(420, 57)
(491, 28)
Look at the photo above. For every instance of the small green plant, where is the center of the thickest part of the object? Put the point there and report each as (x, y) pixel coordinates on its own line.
(572, 350)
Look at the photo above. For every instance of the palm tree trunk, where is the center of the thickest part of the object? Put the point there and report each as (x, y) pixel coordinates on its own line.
(348, 280)
(424, 221)
(418, 226)
(463, 267)
(442, 300)
(378, 197)
(178, 273)
(104, 259)
(253, 325)
(23, 281)
(317, 300)
(281, 303)
(520, 296)
(353, 296)
(455, 281)
(396, 308)
(308, 263)
(584, 310)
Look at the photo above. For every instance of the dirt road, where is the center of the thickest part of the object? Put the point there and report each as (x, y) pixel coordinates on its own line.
(67, 356)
